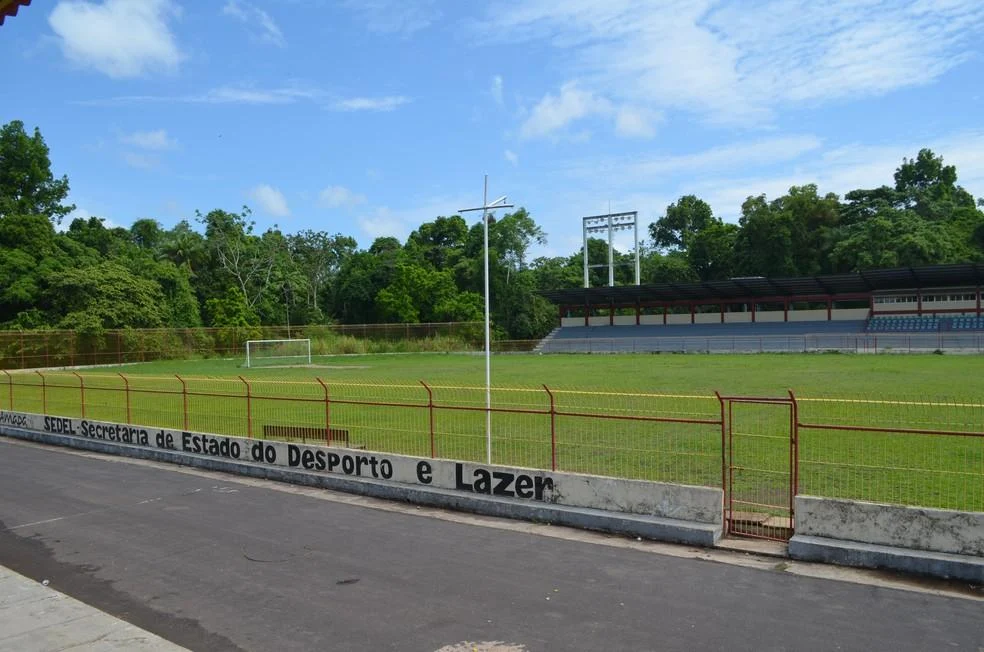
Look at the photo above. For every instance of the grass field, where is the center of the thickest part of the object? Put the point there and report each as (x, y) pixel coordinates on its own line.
(608, 414)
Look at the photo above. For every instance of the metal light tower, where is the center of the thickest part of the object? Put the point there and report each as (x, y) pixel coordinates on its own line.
(610, 223)
(485, 208)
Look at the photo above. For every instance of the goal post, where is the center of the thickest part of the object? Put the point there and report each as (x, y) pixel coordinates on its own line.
(283, 352)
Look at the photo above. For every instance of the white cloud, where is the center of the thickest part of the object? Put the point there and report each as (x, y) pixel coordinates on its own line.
(395, 16)
(371, 103)
(737, 62)
(555, 112)
(632, 122)
(511, 157)
(339, 196)
(497, 89)
(725, 176)
(643, 170)
(221, 95)
(120, 38)
(140, 161)
(262, 27)
(157, 140)
(398, 223)
(270, 199)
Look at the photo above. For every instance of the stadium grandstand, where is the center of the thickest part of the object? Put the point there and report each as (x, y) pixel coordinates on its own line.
(916, 308)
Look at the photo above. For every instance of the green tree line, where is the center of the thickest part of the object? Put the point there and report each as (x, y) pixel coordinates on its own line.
(217, 270)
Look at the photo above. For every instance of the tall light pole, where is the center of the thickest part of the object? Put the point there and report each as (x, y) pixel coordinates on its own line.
(485, 208)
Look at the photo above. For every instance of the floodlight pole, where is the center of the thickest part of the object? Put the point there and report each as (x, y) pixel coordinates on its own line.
(498, 203)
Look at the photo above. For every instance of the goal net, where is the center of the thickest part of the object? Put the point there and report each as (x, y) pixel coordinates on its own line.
(266, 353)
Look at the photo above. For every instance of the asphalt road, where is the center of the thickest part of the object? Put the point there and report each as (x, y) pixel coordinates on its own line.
(214, 564)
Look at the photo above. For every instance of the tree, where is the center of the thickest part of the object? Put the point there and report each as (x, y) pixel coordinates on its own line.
(763, 246)
(683, 219)
(106, 294)
(245, 258)
(184, 247)
(319, 257)
(27, 186)
(929, 187)
(892, 239)
(711, 251)
(671, 267)
(441, 242)
(146, 234)
(513, 235)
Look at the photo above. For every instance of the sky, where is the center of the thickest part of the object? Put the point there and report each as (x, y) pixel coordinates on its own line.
(370, 117)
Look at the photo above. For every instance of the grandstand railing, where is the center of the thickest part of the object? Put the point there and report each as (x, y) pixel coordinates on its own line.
(909, 452)
(882, 342)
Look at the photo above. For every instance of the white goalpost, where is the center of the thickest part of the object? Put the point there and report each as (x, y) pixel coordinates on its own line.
(283, 352)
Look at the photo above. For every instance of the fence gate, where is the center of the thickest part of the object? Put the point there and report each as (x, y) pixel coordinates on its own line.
(760, 463)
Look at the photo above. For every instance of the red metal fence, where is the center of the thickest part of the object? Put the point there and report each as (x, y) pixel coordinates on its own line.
(761, 451)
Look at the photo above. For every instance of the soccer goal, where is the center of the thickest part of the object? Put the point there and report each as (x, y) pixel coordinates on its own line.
(260, 353)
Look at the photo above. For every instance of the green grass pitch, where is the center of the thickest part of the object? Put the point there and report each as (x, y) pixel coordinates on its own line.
(926, 392)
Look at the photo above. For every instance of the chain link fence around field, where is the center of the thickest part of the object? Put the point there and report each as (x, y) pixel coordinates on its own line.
(63, 348)
(910, 452)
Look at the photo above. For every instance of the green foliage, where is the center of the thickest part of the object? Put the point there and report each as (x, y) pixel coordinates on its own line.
(220, 272)
(230, 310)
(106, 295)
(27, 186)
(685, 218)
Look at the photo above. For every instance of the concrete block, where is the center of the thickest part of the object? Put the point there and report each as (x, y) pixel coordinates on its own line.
(865, 555)
(915, 528)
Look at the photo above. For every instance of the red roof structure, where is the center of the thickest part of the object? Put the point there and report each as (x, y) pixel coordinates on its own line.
(10, 7)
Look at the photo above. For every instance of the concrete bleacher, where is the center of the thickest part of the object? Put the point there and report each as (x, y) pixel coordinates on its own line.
(742, 337)
(710, 330)
(916, 324)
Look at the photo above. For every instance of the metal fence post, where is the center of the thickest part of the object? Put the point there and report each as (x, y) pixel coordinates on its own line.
(126, 392)
(10, 389)
(184, 399)
(724, 458)
(249, 408)
(430, 411)
(81, 390)
(44, 394)
(795, 442)
(553, 430)
(327, 411)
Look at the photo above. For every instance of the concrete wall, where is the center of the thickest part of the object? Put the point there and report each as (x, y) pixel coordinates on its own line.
(771, 316)
(682, 318)
(651, 320)
(572, 321)
(673, 512)
(598, 320)
(738, 317)
(916, 528)
(936, 542)
(707, 318)
(625, 320)
(849, 314)
(807, 315)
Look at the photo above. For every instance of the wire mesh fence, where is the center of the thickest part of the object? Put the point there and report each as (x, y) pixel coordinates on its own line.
(64, 348)
(910, 452)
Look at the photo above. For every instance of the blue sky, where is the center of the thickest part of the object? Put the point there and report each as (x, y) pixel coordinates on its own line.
(370, 117)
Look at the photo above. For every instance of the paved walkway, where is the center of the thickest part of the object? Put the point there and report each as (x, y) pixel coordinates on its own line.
(37, 618)
(218, 563)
